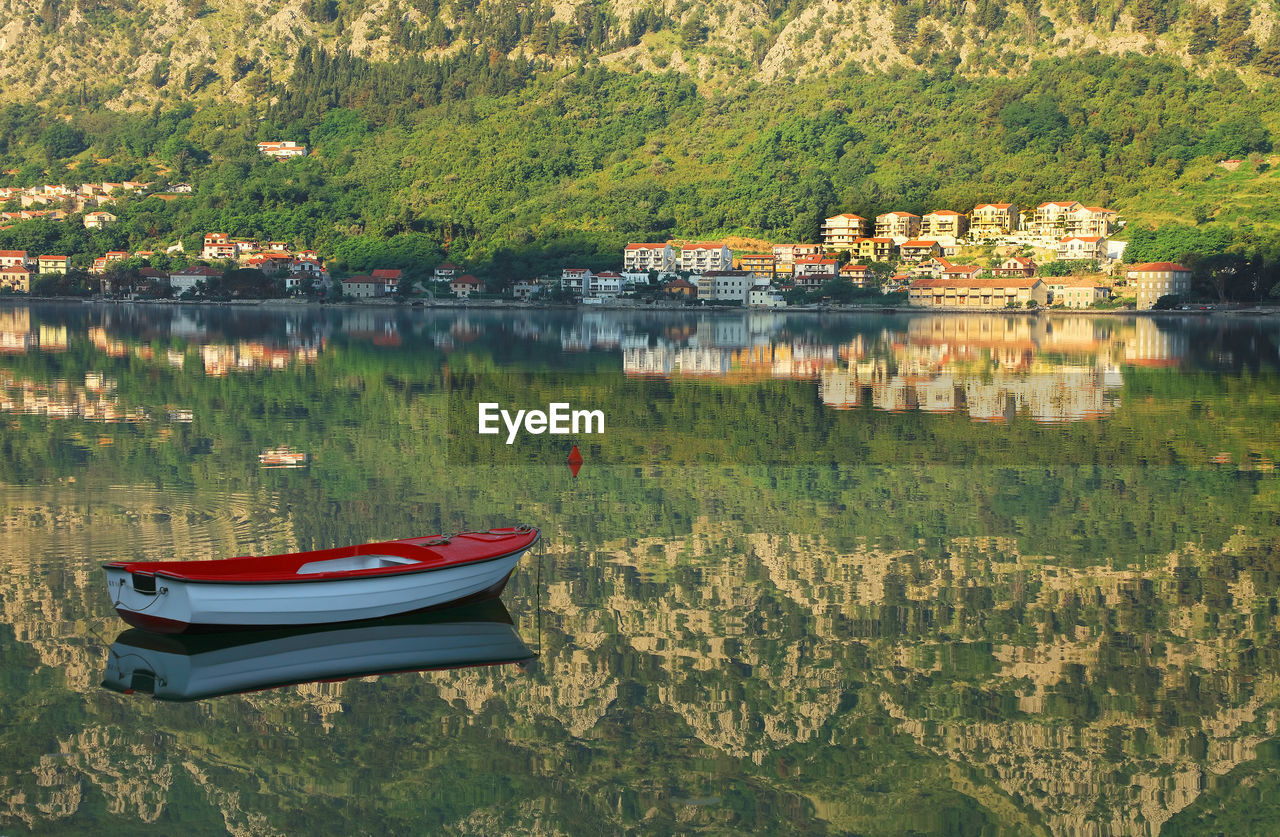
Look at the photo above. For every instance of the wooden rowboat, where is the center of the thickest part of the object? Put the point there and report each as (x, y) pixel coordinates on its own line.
(346, 584)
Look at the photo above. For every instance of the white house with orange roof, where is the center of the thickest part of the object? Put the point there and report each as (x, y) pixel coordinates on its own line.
(389, 277)
(98, 220)
(701, 256)
(13, 258)
(815, 266)
(840, 231)
(218, 246)
(282, 149)
(645, 257)
(1076, 247)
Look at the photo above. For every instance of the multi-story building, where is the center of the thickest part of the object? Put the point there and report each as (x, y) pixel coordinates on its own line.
(218, 247)
(1153, 280)
(858, 274)
(1076, 247)
(760, 264)
(13, 258)
(726, 285)
(877, 249)
(791, 252)
(990, 220)
(576, 279)
(659, 257)
(765, 296)
(1091, 220)
(363, 287)
(466, 285)
(1015, 266)
(976, 293)
(944, 223)
(897, 225)
(812, 265)
(52, 264)
(919, 250)
(98, 220)
(1076, 291)
(840, 231)
(705, 255)
(15, 278)
(1049, 221)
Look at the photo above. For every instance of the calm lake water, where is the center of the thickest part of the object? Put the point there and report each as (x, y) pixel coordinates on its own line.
(875, 574)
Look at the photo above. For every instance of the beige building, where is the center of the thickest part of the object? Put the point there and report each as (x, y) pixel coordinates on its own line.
(990, 220)
(976, 293)
(897, 225)
(1076, 291)
(1153, 280)
(858, 274)
(920, 250)
(16, 279)
(840, 231)
(1049, 220)
(52, 264)
(1091, 220)
(97, 220)
(945, 223)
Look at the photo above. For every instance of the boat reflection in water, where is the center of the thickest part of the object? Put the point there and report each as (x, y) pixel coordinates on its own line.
(208, 665)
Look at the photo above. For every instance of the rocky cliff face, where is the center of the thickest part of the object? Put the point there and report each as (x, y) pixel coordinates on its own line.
(156, 50)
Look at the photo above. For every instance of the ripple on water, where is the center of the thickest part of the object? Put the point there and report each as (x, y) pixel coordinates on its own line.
(66, 527)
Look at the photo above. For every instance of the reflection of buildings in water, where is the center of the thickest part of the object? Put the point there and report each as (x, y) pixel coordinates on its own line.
(94, 401)
(219, 359)
(803, 361)
(939, 395)
(15, 331)
(1061, 394)
(53, 338)
(375, 326)
(1151, 345)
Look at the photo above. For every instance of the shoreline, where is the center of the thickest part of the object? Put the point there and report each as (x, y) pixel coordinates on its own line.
(515, 305)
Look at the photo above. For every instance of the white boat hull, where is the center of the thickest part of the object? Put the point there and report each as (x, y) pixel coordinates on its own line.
(178, 605)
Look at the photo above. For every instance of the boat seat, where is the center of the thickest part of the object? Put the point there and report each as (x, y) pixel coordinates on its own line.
(354, 562)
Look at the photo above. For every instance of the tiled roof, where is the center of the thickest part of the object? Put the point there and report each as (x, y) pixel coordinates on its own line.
(1027, 282)
(1153, 267)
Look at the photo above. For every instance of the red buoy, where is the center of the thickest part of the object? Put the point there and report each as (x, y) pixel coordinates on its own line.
(575, 461)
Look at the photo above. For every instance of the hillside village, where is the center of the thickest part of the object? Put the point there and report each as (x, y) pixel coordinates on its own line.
(1060, 253)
